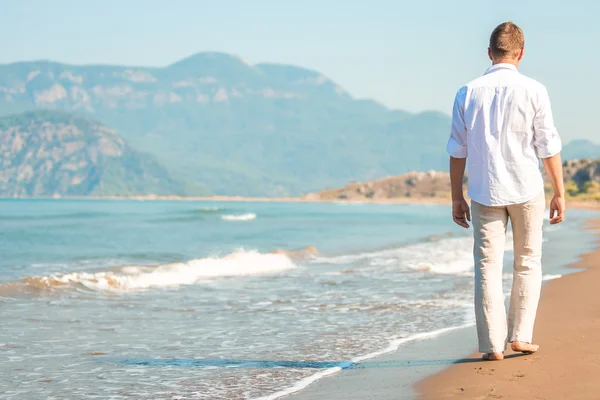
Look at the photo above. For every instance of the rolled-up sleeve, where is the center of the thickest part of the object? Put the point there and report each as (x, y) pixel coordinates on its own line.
(457, 144)
(545, 136)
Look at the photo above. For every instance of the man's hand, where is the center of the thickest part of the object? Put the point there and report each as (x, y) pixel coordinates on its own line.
(460, 208)
(553, 166)
(557, 209)
(461, 213)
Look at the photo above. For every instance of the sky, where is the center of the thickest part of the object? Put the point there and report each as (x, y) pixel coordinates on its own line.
(410, 55)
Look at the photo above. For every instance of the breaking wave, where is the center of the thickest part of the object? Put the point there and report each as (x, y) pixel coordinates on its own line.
(238, 217)
(453, 256)
(135, 278)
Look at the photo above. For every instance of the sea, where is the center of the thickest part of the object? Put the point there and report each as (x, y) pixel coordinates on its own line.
(149, 299)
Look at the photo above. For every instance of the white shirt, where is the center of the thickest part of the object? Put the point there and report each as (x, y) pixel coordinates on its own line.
(502, 123)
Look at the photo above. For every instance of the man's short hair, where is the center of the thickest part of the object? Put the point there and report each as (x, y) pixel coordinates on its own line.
(506, 41)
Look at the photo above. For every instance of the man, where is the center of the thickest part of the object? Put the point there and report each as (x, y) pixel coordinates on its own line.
(501, 125)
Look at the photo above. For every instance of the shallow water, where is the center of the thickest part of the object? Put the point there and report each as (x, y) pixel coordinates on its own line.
(159, 299)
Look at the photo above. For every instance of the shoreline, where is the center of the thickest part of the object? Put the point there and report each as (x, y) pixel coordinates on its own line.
(568, 363)
(571, 203)
(419, 356)
(376, 358)
(412, 370)
(237, 199)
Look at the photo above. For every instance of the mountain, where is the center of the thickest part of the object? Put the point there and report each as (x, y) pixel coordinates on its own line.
(49, 153)
(582, 148)
(213, 119)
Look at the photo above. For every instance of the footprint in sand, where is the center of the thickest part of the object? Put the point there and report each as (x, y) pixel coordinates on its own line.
(516, 377)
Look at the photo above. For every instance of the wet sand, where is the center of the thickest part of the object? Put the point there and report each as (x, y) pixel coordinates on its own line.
(568, 364)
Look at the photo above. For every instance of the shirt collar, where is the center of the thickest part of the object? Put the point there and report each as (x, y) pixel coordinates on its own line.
(497, 67)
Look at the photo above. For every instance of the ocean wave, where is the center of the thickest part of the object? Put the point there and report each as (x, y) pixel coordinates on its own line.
(135, 278)
(67, 215)
(551, 228)
(194, 214)
(212, 209)
(508, 276)
(306, 253)
(238, 217)
(449, 256)
(551, 277)
(438, 255)
(206, 210)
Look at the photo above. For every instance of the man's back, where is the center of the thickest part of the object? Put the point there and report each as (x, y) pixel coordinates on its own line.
(503, 122)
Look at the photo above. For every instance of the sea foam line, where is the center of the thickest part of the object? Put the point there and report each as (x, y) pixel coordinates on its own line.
(393, 346)
(452, 256)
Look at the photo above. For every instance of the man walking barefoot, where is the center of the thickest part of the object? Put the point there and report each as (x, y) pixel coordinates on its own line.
(501, 125)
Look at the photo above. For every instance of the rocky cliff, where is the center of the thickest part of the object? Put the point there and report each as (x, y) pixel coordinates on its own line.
(49, 153)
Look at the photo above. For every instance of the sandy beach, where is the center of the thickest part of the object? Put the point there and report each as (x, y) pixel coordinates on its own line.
(566, 367)
(568, 364)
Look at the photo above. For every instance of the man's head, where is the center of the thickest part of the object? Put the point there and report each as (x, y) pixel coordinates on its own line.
(507, 44)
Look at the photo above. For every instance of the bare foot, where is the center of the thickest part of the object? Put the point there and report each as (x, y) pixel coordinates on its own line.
(524, 347)
(493, 356)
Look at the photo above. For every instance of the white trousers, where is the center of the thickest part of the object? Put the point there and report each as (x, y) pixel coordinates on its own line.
(494, 330)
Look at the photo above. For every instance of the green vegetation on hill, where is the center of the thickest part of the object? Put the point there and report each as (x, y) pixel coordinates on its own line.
(50, 153)
(582, 179)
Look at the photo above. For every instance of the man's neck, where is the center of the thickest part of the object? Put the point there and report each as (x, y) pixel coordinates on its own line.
(511, 61)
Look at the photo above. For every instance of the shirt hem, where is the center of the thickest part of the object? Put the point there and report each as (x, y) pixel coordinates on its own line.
(504, 204)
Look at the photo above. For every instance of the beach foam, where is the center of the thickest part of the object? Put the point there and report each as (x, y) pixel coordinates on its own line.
(238, 217)
(132, 278)
(452, 256)
(550, 277)
(393, 346)
(440, 256)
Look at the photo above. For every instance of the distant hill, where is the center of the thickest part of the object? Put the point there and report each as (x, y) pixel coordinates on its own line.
(50, 153)
(412, 185)
(264, 129)
(582, 182)
(579, 149)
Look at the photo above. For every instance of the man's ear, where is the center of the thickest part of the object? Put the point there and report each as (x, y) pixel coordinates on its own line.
(490, 54)
(521, 54)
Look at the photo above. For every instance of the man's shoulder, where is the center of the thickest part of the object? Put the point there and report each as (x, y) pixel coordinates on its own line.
(482, 80)
(532, 83)
(495, 80)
